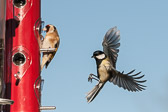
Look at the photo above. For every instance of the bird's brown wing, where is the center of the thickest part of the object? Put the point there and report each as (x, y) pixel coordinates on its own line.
(111, 44)
(127, 81)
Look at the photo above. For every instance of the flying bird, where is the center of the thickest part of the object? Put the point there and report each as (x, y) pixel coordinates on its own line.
(106, 67)
(51, 40)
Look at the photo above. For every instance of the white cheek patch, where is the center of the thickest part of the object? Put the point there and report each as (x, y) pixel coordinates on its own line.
(101, 56)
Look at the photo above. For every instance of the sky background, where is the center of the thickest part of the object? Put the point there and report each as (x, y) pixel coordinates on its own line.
(82, 24)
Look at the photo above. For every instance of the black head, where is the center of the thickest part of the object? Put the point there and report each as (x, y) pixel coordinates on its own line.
(100, 55)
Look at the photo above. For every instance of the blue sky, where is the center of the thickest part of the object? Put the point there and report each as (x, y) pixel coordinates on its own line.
(82, 25)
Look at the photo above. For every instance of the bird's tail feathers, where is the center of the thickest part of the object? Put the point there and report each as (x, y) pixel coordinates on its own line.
(44, 61)
(94, 92)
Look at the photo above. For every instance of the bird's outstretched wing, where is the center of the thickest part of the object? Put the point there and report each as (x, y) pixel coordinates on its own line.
(127, 81)
(111, 44)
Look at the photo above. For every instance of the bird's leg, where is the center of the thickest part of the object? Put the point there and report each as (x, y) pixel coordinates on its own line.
(91, 77)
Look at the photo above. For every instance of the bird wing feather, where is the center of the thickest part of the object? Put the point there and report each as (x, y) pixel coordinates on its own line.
(111, 44)
(127, 81)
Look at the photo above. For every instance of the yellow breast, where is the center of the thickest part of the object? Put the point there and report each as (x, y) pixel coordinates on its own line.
(103, 70)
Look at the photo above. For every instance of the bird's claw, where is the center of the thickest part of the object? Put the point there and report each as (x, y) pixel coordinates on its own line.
(90, 78)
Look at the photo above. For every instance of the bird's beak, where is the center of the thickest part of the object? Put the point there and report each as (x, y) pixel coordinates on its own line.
(44, 29)
(92, 57)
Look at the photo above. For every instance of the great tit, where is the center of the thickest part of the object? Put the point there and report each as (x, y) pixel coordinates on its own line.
(106, 67)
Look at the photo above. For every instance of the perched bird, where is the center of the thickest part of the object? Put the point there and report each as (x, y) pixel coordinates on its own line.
(51, 40)
(106, 67)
